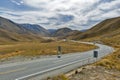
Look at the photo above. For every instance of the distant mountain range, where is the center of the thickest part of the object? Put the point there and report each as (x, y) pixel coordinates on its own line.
(10, 31)
(64, 32)
(35, 29)
(52, 31)
(61, 32)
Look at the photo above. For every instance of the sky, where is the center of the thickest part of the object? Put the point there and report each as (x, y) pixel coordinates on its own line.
(54, 14)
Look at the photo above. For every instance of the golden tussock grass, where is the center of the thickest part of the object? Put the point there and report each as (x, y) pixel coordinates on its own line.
(112, 61)
(38, 48)
(60, 77)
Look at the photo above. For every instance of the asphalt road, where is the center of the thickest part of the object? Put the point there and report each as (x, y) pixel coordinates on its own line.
(22, 70)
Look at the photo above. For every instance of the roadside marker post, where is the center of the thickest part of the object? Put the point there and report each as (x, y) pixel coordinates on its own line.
(95, 55)
(59, 52)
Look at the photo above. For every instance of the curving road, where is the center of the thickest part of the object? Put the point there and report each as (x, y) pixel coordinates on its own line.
(52, 65)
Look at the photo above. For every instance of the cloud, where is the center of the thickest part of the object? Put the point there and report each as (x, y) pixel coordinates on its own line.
(53, 5)
(77, 14)
(114, 4)
(17, 2)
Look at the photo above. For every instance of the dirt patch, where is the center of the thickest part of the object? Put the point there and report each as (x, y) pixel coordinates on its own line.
(96, 73)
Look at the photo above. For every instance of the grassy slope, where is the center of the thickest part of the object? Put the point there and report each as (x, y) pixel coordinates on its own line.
(103, 30)
(112, 61)
(109, 34)
(11, 32)
(8, 37)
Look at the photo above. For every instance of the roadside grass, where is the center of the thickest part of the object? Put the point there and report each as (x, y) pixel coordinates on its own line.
(112, 61)
(31, 49)
(60, 77)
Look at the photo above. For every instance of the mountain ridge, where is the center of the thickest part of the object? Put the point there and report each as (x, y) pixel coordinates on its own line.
(106, 28)
(11, 31)
(35, 29)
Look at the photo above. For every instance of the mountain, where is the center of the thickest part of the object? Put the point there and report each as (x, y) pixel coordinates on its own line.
(106, 28)
(52, 31)
(71, 34)
(84, 30)
(8, 25)
(62, 32)
(35, 29)
(10, 31)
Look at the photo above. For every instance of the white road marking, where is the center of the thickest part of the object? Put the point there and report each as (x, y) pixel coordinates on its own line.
(51, 69)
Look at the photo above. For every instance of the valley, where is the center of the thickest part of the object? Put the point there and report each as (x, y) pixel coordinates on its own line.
(60, 40)
(27, 42)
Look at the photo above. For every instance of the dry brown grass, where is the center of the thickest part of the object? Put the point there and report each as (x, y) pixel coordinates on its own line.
(38, 48)
(112, 61)
(60, 77)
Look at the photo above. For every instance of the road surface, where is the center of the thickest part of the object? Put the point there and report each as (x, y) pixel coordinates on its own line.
(23, 70)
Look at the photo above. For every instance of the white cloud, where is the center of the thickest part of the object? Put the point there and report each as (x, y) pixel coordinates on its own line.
(59, 4)
(111, 5)
(85, 12)
(18, 3)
